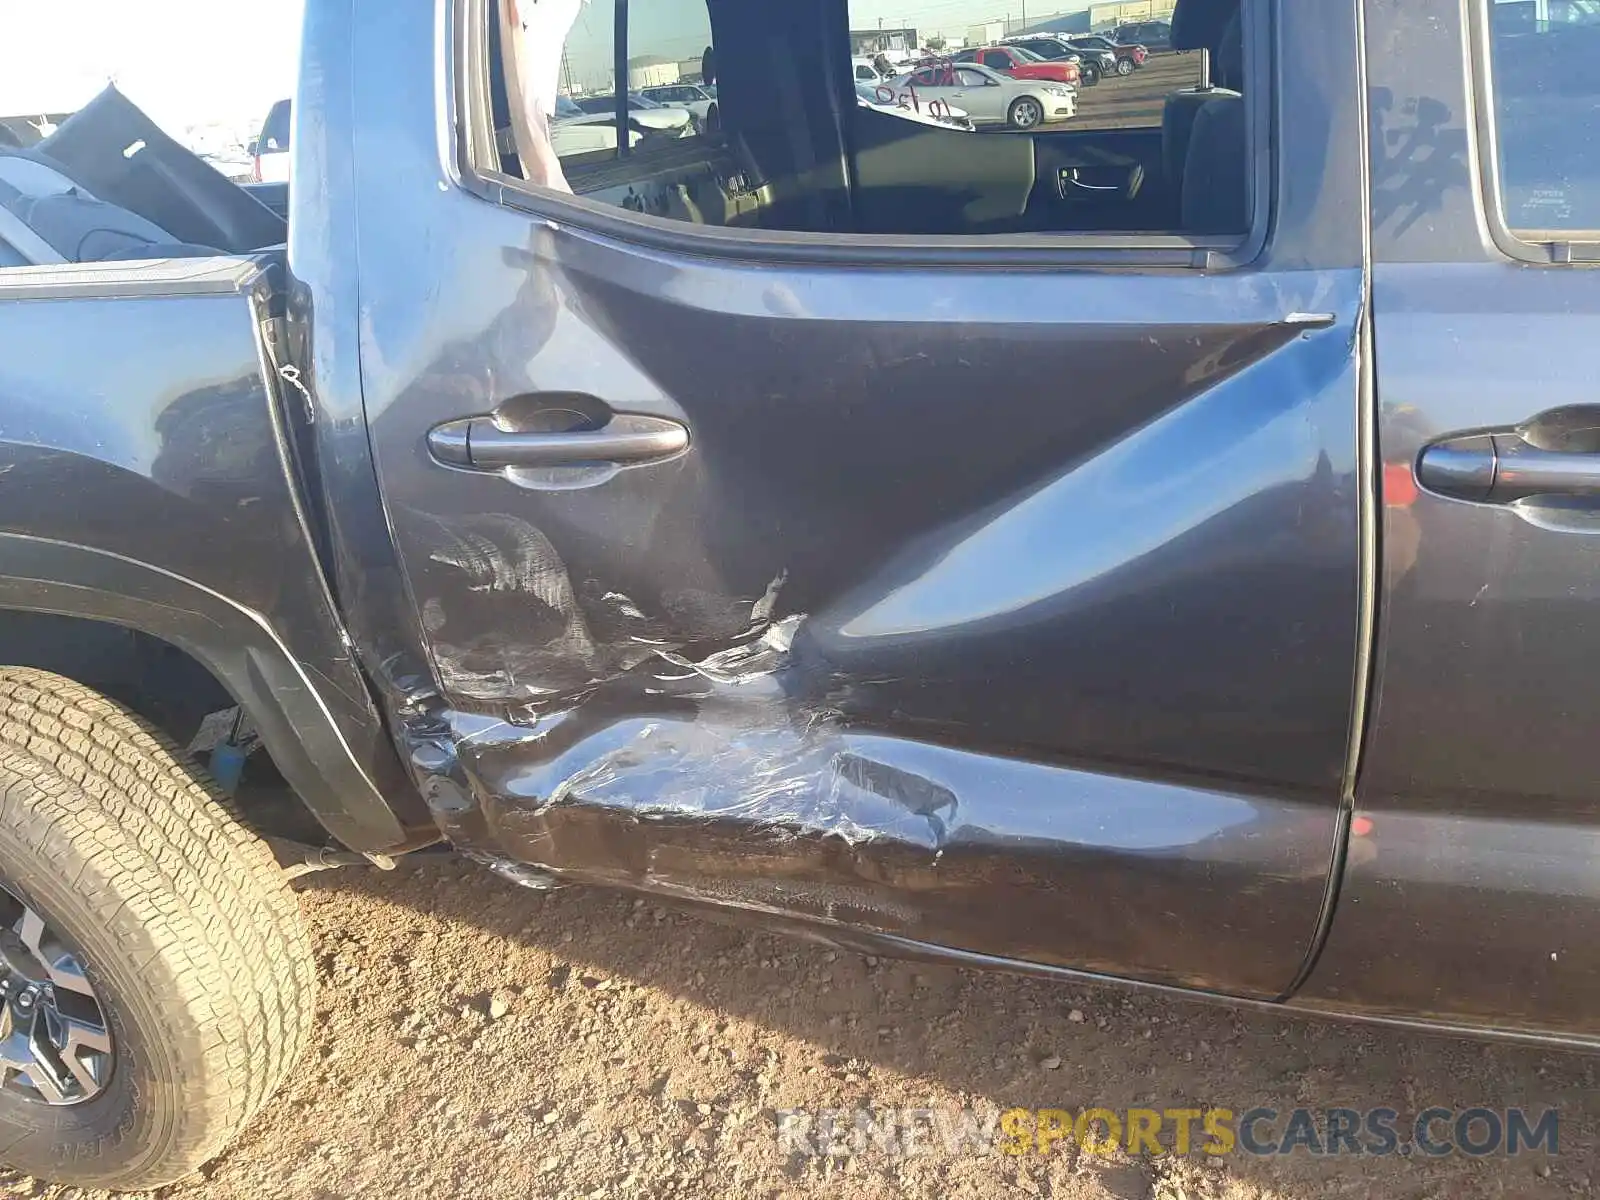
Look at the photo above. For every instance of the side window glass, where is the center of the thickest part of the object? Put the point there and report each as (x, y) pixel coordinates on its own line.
(743, 127)
(1545, 67)
(669, 45)
(551, 112)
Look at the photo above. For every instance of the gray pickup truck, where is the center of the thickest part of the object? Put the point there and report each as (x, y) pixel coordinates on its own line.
(1163, 553)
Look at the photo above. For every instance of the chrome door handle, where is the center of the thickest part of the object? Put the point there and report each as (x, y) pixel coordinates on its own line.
(479, 444)
(1501, 467)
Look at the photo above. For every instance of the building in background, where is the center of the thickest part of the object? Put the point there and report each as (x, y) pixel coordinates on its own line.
(1068, 23)
(1128, 12)
(896, 43)
(1097, 18)
(651, 70)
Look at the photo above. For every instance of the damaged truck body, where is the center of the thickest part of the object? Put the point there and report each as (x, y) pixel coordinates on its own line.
(1209, 612)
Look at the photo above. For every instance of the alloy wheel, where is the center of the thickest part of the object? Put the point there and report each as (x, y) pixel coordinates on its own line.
(55, 1042)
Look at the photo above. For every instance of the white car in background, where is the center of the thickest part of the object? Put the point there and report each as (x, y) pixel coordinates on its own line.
(590, 124)
(698, 98)
(988, 97)
(866, 71)
(574, 131)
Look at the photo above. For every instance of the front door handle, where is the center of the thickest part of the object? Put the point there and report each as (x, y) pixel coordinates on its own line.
(627, 439)
(1501, 467)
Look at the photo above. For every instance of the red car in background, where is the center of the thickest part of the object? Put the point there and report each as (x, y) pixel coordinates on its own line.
(1022, 64)
(1129, 57)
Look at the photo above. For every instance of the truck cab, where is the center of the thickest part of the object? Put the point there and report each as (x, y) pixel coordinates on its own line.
(1154, 548)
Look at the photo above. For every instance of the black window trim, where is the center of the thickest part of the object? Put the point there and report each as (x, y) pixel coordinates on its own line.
(469, 142)
(1541, 246)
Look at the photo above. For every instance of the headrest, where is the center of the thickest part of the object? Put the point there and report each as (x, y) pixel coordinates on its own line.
(1200, 24)
(1227, 60)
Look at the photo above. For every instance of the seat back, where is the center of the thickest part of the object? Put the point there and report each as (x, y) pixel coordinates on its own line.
(1216, 181)
(1205, 148)
(1177, 127)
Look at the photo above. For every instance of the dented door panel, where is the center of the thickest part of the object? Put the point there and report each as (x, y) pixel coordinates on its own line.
(1010, 612)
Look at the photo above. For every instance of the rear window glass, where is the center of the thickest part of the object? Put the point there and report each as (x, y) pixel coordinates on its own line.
(1545, 64)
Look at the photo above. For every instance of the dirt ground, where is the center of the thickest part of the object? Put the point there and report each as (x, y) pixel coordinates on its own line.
(483, 1040)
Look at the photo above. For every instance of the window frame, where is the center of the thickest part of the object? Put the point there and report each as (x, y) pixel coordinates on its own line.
(1544, 247)
(469, 144)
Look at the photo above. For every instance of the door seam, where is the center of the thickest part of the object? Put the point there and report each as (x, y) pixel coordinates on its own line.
(1369, 537)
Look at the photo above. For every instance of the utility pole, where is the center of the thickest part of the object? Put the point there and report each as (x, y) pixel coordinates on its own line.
(1024, 28)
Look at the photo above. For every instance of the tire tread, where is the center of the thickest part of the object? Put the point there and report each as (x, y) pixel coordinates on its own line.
(156, 839)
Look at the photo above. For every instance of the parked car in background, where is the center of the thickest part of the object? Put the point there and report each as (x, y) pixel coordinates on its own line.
(271, 160)
(1129, 56)
(644, 116)
(1022, 64)
(574, 131)
(1093, 65)
(231, 166)
(865, 71)
(989, 97)
(699, 100)
(1153, 35)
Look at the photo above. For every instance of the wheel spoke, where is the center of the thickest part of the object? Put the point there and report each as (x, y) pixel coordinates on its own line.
(86, 1051)
(14, 1052)
(66, 971)
(31, 930)
(45, 1071)
(50, 1054)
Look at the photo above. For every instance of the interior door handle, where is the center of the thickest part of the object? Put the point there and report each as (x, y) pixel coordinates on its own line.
(627, 439)
(1502, 467)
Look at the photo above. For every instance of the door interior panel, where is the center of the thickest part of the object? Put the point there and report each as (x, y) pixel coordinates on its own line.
(1101, 179)
(909, 177)
(914, 178)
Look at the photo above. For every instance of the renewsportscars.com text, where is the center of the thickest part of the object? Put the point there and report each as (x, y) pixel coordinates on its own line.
(1430, 1133)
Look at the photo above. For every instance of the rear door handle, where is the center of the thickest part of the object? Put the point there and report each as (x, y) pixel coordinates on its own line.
(1501, 467)
(627, 439)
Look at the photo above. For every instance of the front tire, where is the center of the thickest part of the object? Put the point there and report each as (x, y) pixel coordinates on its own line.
(1089, 74)
(178, 918)
(1025, 113)
(1124, 67)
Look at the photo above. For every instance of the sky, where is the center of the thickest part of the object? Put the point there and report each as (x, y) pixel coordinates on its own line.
(184, 62)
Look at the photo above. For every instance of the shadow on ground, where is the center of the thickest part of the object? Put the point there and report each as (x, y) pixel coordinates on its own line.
(890, 1033)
